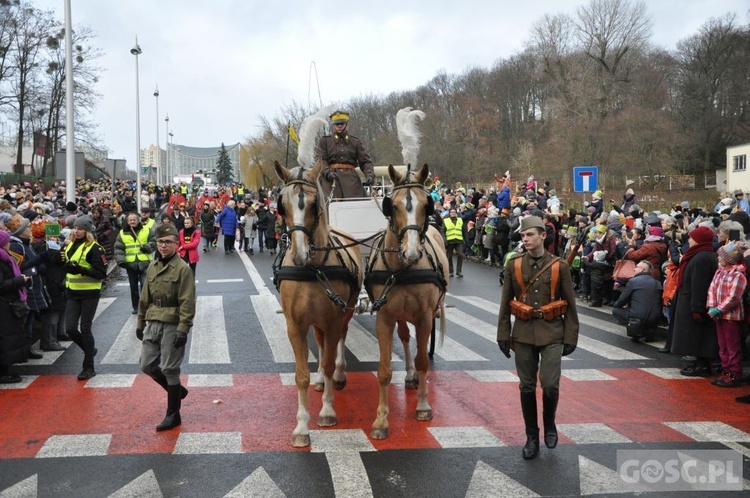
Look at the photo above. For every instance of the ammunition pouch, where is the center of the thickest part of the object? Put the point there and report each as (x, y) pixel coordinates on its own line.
(521, 310)
(553, 310)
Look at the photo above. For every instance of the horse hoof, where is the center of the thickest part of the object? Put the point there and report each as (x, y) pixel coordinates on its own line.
(424, 414)
(319, 387)
(379, 433)
(339, 385)
(411, 384)
(327, 421)
(300, 440)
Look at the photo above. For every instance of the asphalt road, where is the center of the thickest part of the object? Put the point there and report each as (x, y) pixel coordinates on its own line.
(63, 437)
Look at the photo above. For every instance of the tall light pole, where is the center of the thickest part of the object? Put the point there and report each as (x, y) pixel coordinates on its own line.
(174, 156)
(159, 171)
(70, 146)
(136, 50)
(167, 178)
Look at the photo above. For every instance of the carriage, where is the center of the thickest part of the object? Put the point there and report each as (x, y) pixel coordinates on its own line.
(320, 277)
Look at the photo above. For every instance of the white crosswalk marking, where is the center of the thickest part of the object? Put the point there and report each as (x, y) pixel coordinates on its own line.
(144, 485)
(255, 277)
(488, 481)
(472, 324)
(104, 303)
(24, 489)
(127, 348)
(363, 344)
(451, 349)
(208, 341)
(274, 328)
(259, 483)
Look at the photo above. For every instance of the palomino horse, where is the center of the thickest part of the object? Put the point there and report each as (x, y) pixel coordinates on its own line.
(319, 282)
(407, 284)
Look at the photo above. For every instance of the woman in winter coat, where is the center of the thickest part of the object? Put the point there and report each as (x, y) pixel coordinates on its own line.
(12, 288)
(694, 333)
(187, 244)
(206, 219)
(227, 220)
(31, 265)
(271, 231)
(251, 230)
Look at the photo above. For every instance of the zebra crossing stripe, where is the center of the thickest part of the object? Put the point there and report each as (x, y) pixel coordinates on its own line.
(710, 431)
(104, 303)
(255, 277)
(26, 488)
(472, 324)
(465, 437)
(143, 485)
(488, 481)
(364, 345)
(75, 445)
(127, 348)
(208, 341)
(274, 328)
(259, 483)
(592, 433)
(451, 350)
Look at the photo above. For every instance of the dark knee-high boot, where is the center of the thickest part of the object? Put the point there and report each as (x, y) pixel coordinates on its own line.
(160, 379)
(528, 407)
(173, 418)
(549, 408)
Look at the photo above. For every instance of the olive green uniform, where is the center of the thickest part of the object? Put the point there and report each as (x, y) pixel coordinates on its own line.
(166, 306)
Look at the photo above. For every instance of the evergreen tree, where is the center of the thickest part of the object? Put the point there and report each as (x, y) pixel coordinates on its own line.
(224, 167)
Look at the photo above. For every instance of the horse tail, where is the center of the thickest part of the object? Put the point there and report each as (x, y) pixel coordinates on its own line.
(442, 324)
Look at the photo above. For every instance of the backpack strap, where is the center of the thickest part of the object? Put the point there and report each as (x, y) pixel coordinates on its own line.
(555, 275)
(555, 278)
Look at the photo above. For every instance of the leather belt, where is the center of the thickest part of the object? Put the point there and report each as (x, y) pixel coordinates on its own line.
(343, 166)
(537, 314)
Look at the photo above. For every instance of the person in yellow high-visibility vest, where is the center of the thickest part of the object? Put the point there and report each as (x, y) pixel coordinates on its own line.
(86, 268)
(455, 232)
(133, 249)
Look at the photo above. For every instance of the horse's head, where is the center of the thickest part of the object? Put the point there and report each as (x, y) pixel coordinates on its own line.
(408, 209)
(302, 206)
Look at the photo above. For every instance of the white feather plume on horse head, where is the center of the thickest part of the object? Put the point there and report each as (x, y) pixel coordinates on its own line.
(409, 134)
(308, 135)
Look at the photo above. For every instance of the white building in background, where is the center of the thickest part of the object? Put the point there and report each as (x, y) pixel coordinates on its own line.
(738, 175)
(186, 160)
(154, 162)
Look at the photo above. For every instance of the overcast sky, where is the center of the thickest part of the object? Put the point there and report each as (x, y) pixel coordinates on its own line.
(221, 64)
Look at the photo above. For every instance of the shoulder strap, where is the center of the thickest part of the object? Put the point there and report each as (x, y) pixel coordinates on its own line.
(555, 278)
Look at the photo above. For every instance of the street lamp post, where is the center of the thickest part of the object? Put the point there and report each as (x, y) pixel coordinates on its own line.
(174, 157)
(136, 50)
(159, 171)
(167, 177)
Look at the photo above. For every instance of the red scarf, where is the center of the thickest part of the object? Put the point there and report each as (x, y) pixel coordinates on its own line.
(689, 254)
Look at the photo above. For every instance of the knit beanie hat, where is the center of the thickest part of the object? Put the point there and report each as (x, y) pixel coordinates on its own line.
(702, 235)
(730, 253)
(16, 224)
(85, 222)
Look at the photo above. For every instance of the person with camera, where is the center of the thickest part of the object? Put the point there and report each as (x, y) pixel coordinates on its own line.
(86, 267)
(538, 291)
(342, 154)
(639, 306)
(133, 249)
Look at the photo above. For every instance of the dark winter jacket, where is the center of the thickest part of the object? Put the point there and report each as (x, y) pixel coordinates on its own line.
(12, 332)
(642, 295)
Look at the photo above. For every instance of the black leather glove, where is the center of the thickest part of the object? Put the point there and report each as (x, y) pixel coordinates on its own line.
(504, 347)
(139, 334)
(73, 268)
(332, 176)
(567, 349)
(145, 249)
(368, 181)
(180, 339)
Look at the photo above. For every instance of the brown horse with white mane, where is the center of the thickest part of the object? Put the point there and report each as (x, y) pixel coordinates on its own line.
(406, 281)
(318, 281)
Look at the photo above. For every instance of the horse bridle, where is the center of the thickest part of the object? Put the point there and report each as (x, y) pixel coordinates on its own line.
(388, 211)
(307, 231)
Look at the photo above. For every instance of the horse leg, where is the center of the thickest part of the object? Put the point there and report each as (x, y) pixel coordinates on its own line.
(321, 349)
(339, 375)
(327, 416)
(424, 329)
(384, 328)
(298, 339)
(411, 381)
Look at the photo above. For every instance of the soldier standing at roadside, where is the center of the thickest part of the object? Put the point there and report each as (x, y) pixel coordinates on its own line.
(165, 315)
(538, 291)
(342, 153)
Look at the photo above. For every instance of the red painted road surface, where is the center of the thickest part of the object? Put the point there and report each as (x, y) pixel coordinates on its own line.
(259, 407)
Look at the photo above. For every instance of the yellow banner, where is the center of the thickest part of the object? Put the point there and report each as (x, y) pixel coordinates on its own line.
(293, 134)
